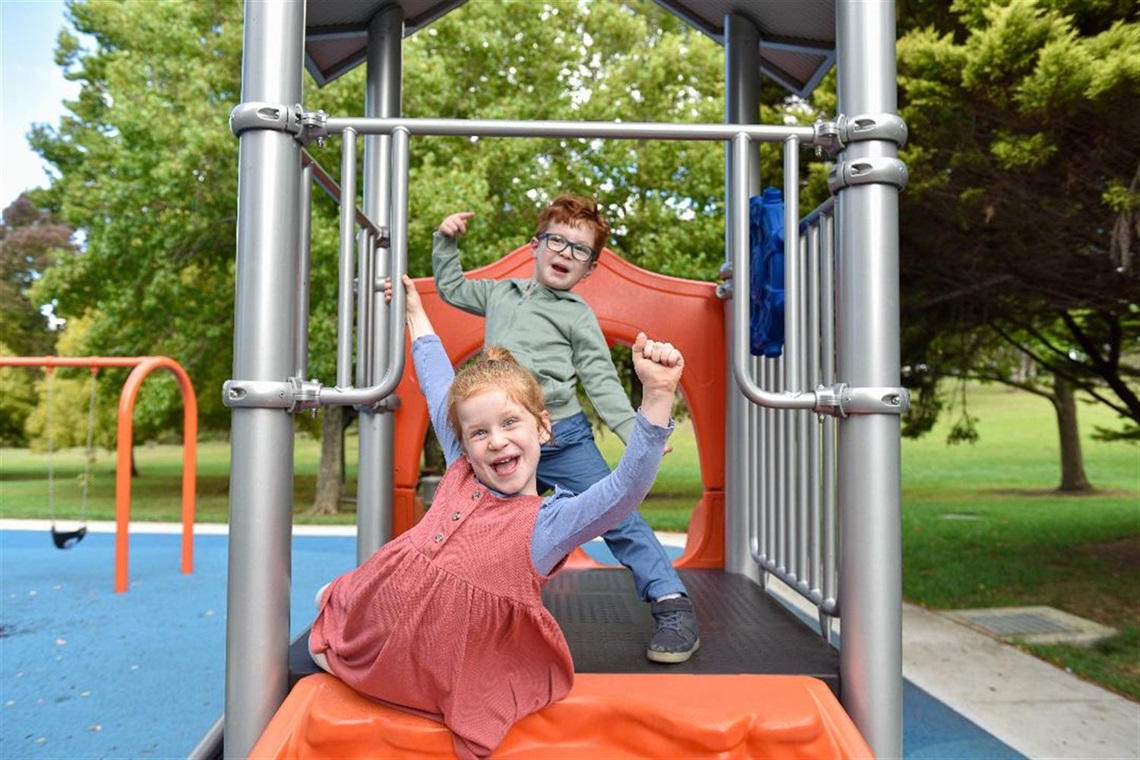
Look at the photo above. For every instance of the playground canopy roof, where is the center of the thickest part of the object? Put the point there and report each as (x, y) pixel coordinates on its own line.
(798, 38)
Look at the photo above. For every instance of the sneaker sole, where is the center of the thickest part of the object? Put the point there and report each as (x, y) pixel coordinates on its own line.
(672, 658)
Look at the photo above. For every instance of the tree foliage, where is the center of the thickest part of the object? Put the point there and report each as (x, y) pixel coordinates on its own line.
(1022, 208)
(31, 240)
(147, 170)
(561, 60)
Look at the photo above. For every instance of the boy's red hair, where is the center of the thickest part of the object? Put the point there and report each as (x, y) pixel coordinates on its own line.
(576, 211)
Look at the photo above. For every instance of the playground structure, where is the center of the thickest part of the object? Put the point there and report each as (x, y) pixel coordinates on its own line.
(816, 506)
(141, 367)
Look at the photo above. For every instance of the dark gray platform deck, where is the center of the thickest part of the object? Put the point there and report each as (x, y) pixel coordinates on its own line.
(743, 630)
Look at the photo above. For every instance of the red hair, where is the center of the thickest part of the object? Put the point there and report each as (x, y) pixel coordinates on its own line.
(576, 211)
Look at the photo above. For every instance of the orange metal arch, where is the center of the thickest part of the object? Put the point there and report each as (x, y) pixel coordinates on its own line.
(627, 299)
(142, 366)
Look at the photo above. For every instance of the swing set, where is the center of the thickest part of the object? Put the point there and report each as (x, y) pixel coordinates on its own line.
(66, 539)
(141, 367)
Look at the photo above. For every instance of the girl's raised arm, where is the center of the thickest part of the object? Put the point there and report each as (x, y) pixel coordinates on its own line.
(433, 368)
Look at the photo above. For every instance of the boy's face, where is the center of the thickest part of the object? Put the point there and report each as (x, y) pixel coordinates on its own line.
(561, 270)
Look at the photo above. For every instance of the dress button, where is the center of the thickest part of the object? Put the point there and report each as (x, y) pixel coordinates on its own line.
(438, 537)
(455, 515)
(475, 495)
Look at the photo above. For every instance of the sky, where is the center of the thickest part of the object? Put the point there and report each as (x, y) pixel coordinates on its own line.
(32, 89)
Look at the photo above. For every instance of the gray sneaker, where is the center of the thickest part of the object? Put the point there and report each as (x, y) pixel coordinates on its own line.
(676, 637)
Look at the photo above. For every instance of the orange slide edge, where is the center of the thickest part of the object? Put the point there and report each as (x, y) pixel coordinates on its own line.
(605, 715)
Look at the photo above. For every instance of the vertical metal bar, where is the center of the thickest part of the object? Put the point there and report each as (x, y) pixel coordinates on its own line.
(376, 478)
(303, 273)
(783, 446)
(868, 355)
(399, 227)
(742, 106)
(365, 316)
(797, 350)
(827, 377)
(771, 467)
(265, 311)
(347, 263)
(810, 244)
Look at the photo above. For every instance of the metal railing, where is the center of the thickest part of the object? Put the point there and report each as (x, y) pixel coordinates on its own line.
(793, 520)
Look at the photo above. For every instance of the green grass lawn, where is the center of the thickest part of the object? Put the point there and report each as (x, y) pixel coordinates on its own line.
(982, 524)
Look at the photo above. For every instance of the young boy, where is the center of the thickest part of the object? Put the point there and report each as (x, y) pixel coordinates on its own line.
(555, 334)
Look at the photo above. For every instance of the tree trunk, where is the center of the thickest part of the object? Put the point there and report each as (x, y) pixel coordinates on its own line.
(1073, 477)
(329, 479)
(134, 467)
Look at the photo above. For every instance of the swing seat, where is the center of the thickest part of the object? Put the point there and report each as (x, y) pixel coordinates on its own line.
(65, 539)
(605, 715)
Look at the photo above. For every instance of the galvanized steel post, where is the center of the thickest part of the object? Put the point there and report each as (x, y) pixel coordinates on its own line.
(261, 463)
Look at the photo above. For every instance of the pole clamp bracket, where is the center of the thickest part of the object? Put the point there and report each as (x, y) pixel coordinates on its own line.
(867, 171)
(841, 400)
(831, 137)
(306, 126)
(293, 395)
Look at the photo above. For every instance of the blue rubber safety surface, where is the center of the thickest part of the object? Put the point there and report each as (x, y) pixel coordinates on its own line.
(87, 673)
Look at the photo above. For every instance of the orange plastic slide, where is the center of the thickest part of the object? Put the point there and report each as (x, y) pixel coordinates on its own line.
(604, 716)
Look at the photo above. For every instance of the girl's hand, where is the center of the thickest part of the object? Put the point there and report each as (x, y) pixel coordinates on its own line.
(456, 224)
(414, 314)
(659, 366)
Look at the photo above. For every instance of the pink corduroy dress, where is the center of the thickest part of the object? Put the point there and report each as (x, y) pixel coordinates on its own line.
(447, 618)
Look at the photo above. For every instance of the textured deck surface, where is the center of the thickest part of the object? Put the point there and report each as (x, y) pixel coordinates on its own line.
(742, 629)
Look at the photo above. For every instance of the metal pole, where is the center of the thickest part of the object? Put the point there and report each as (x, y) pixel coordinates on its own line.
(261, 461)
(624, 130)
(303, 273)
(868, 355)
(795, 348)
(376, 478)
(347, 262)
(742, 106)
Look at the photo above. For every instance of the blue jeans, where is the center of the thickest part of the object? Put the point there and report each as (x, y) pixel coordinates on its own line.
(573, 462)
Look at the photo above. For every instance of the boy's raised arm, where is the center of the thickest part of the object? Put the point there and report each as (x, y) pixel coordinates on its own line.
(454, 288)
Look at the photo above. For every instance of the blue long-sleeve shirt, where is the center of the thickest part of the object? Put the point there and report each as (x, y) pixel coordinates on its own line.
(565, 520)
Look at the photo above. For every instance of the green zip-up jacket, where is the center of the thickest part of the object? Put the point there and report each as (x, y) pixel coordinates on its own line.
(553, 333)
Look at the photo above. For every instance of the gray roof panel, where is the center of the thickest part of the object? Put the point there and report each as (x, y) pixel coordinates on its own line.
(797, 49)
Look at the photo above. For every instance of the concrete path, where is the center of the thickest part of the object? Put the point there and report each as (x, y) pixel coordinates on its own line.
(1036, 708)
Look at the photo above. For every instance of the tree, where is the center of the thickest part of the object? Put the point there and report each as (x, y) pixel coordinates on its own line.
(1023, 197)
(17, 401)
(31, 239)
(146, 168)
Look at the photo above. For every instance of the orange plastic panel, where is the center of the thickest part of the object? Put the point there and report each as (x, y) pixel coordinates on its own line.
(610, 716)
(626, 299)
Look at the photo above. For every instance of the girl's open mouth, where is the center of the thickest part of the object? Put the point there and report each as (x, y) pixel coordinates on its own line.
(505, 467)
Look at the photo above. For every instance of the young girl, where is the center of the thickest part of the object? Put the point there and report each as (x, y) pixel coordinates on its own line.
(446, 620)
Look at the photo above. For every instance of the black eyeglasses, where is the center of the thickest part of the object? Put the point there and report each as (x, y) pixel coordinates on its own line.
(558, 244)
